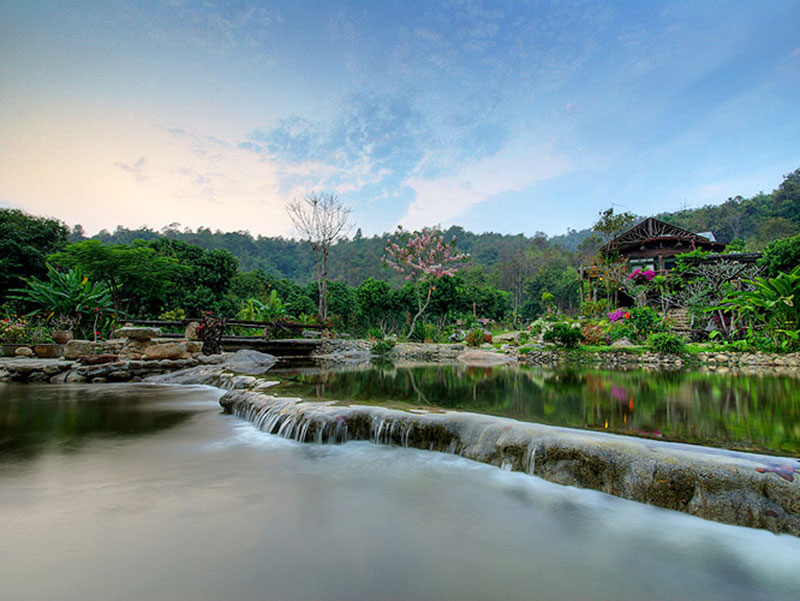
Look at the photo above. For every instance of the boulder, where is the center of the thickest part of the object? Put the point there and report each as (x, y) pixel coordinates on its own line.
(483, 358)
(249, 362)
(622, 343)
(137, 333)
(24, 351)
(169, 350)
(507, 337)
(78, 348)
(190, 333)
(194, 346)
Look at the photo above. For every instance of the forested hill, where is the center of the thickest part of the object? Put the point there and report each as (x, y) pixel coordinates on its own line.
(757, 220)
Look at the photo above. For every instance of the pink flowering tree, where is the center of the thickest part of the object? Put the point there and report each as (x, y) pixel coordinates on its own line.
(423, 257)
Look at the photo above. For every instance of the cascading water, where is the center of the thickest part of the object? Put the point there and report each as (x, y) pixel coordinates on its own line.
(723, 485)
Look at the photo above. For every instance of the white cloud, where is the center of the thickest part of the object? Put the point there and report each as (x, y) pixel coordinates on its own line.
(96, 174)
(516, 167)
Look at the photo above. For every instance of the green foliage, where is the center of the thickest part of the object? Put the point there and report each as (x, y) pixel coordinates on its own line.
(69, 294)
(595, 308)
(773, 309)
(137, 278)
(423, 332)
(25, 242)
(636, 325)
(563, 334)
(683, 261)
(474, 337)
(737, 245)
(781, 256)
(272, 309)
(374, 299)
(611, 225)
(177, 314)
(664, 342)
(382, 347)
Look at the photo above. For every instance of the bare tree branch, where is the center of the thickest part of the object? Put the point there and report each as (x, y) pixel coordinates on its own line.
(320, 219)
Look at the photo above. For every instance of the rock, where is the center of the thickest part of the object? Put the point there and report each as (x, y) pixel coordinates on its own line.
(74, 377)
(190, 333)
(77, 348)
(169, 350)
(507, 337)
(194, 346)
(622, 343)
(24, 351)
(136, 346)
(137, 333)
(249, 362)
(483, 358)
(98, 359)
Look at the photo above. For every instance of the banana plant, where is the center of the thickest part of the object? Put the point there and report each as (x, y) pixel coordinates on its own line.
(774, 302)
(68, 294)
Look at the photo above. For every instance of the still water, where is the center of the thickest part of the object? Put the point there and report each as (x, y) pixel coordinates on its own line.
(750, 413)
(135, 491)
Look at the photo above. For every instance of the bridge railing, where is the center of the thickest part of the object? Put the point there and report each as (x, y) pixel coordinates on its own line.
(268, 328)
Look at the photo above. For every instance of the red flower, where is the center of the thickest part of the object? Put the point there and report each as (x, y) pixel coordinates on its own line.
(627, 316)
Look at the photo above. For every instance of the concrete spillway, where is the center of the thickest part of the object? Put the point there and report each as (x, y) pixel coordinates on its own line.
(737, 488)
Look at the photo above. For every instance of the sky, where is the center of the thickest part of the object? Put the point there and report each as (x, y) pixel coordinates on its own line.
(511, 117)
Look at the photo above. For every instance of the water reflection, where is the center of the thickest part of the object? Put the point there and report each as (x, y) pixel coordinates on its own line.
(757, 413)
(64, 418)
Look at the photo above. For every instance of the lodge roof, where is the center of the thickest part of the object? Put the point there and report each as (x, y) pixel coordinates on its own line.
(654, 229)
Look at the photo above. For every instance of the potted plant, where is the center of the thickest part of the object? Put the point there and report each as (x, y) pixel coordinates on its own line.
(62, 329)
(15, 332)
(43, 344)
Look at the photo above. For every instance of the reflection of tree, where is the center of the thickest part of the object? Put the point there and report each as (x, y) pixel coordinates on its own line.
(741, 412)
(29, 425)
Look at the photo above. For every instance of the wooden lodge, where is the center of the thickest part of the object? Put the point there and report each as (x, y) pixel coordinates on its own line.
(654, 244)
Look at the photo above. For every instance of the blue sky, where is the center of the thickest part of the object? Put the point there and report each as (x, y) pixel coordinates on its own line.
(513, 117)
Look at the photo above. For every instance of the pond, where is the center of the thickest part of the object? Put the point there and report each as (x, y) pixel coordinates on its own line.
(133, 491)
(750, 413)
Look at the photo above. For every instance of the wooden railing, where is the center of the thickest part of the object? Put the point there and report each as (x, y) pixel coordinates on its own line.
(267, 327)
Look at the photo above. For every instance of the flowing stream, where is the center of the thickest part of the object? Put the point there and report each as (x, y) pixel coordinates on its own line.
(136, 491)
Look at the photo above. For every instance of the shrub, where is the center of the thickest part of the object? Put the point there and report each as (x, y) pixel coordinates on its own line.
(563, 334)
(593, 334)
(375, 334)
(15, 330)
(423, 332)
(382, 347)
(475, 337)
(663, 342)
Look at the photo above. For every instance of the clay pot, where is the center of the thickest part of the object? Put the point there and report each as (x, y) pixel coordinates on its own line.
(46, 351)
(10, 349)
(62, 336)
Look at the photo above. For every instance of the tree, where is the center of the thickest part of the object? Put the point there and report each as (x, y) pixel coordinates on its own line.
(320, 219)
(610, 225)
(422, 257)
(781, 255)
(25, 242)
(136, 275)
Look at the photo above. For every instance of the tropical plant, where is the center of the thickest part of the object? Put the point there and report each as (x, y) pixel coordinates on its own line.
(66, 293)
(773, 305)
(563, 334)
(664, 342)
(382, 347)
